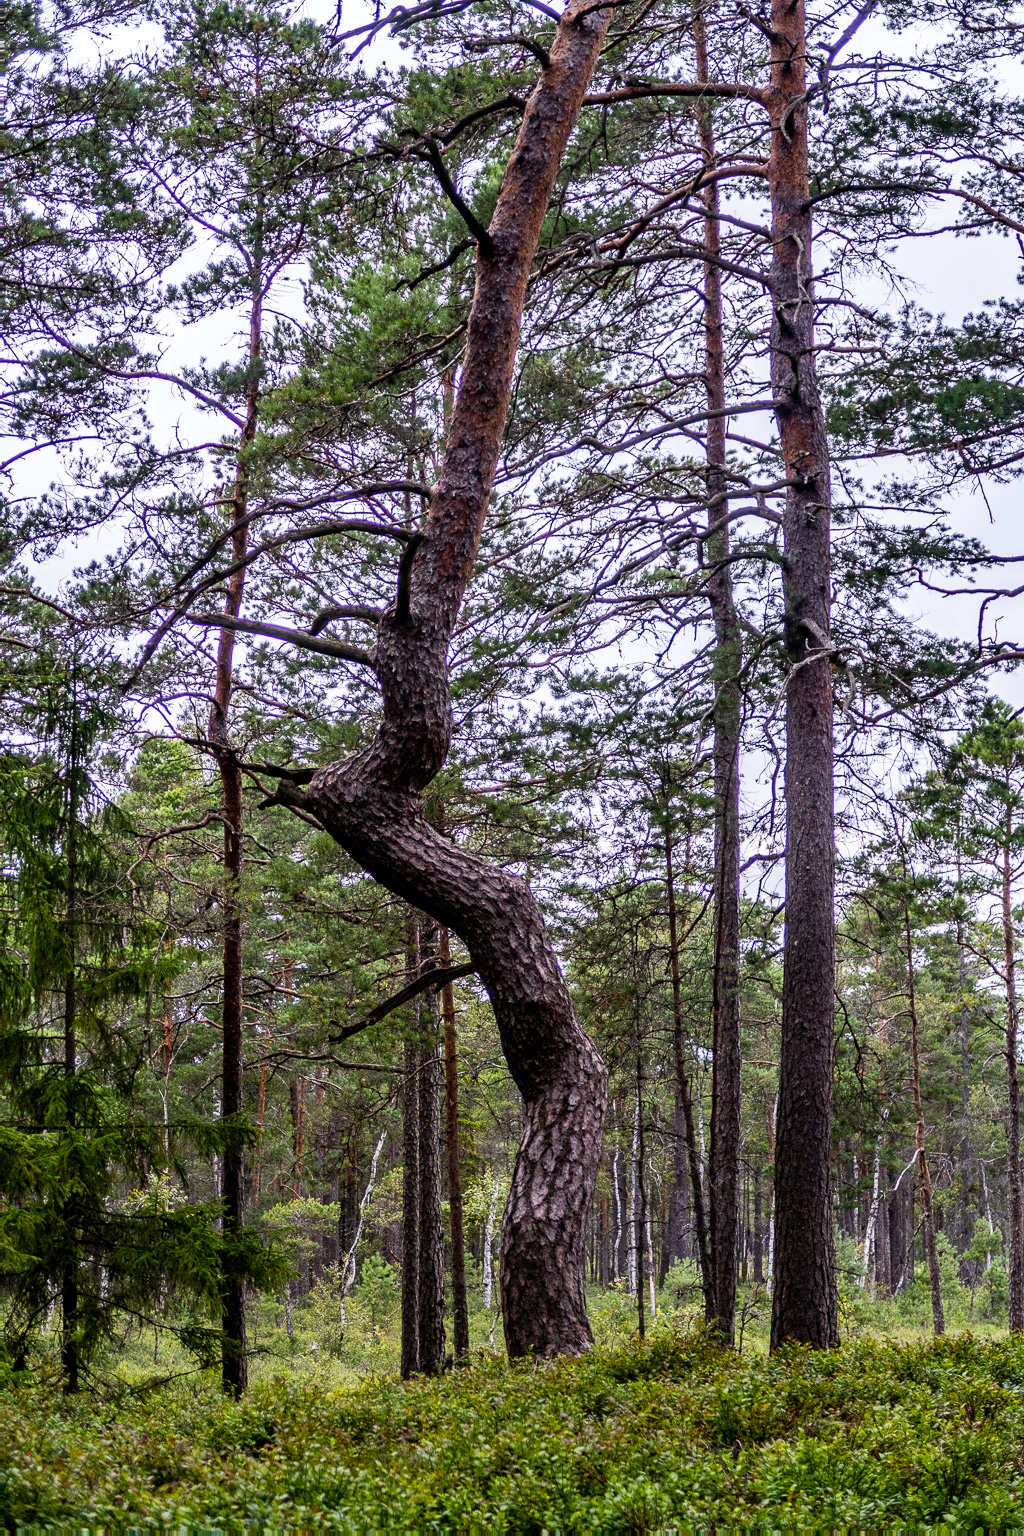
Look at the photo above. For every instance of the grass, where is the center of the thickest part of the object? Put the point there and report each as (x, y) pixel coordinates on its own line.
(668, 1435)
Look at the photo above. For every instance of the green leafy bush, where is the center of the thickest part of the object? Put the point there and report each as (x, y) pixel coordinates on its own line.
(671, 1434)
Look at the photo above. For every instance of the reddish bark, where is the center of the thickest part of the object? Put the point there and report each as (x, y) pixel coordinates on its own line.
(371, 804)
(804, 1301)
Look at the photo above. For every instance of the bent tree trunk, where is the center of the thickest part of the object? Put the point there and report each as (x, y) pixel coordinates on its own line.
(804, 1302)
(371, 802)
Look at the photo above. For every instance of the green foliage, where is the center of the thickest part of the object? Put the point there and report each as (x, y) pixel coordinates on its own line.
(669, 1434)
(77, 961)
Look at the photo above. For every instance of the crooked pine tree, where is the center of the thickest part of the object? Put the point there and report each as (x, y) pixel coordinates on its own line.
(371, 801)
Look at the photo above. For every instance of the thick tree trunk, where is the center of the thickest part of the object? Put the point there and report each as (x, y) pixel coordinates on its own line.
(371, 802)
(460, 1304)
(726, 1076)
(804, 1301)
(1015, 1187)
(431, 1233)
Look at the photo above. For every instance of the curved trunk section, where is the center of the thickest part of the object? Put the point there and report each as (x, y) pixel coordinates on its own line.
(371, 802)
(554, 1065)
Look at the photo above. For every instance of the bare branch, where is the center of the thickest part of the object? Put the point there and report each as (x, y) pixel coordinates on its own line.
(297, 637)
(439, 977)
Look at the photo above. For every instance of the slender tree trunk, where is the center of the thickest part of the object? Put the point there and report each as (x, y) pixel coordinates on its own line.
(411, 1177)
(297, 1110)
(1015, 1189)
(460, 1304)
(758, 1229)
(679, 1220)
(883, 1267)
(641, 1200)
(872, 1223)
(966, 1153)
(633, 1240)
(804, 1301)
(431, 1281)
(683, 1087)
(771, 1112)
(261, 1110)
(924, 1176)
(487, 1271)
(371, 802)
(69, 1297)
(234, 1367)
(897, 1241)
(617, 1248)
(726, 1075)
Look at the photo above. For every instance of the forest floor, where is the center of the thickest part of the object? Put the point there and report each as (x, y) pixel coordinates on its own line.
(665, 1435)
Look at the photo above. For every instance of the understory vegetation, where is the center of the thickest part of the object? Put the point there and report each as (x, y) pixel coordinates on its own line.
(669, 1433)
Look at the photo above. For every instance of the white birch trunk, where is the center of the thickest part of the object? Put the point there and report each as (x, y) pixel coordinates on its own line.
(348, 1269)
(988, 1213)
(871, 1228)
(488, 1266)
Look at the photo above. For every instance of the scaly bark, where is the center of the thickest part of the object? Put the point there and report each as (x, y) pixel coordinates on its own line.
(804, 1300)
(371, 802)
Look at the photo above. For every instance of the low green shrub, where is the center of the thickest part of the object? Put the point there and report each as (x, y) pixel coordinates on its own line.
(672, 1434)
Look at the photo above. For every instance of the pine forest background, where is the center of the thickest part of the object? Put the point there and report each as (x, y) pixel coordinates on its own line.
(239, 248)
